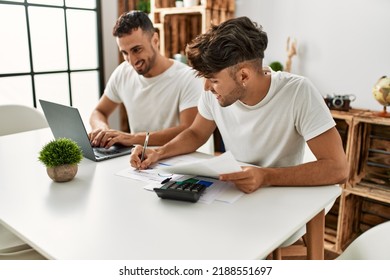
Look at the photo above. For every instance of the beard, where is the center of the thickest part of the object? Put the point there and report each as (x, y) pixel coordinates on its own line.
(234, 95)
(148, 64)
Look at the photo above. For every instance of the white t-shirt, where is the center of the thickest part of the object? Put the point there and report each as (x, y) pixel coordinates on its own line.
(154, 103)
(273, 132)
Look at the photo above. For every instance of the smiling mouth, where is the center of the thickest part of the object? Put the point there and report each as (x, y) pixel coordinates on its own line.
(217, 96)
(139, 64)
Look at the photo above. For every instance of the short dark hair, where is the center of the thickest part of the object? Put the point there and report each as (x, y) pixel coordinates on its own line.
(132, 20)
(228, 44)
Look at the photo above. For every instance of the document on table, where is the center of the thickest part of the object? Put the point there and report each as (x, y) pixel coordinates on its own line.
(220, 191)
(183, 167)
(147, 175)
(212, 167)
(154, 174)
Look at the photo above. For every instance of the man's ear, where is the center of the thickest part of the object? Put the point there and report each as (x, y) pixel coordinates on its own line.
(244, 75)
(155, 39)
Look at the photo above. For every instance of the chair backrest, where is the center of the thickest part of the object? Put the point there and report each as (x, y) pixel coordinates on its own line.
(373, 244)
(18, 118)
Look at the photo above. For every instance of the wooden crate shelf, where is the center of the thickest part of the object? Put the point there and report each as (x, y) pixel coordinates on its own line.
(365, 200)
(360, 214)
(370, 191)
(179, 25)
(370, 175)
(330, 239)
(331, 225)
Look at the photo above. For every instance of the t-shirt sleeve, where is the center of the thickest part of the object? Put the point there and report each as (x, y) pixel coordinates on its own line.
(312, 116)
(191, 91)
(111, 89)
(205, 106)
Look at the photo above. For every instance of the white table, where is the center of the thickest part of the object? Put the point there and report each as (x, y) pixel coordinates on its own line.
(99, 215)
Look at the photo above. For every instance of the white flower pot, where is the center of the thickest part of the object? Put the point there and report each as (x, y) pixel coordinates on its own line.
(190, 3)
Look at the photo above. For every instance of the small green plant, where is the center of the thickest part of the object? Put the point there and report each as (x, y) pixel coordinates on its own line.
(276, 66)
(59, 152)
(144, 5)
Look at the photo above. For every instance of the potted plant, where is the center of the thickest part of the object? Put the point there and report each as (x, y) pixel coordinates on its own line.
(276, 66)
(61, 158)
(144, 6)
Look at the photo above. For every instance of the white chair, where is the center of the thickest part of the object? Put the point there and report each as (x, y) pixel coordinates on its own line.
(13, 248)
(14, 119)
(19, 118)
(373, 244)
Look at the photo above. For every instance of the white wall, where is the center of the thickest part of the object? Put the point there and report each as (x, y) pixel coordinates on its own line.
(343, 45)
(110, 48)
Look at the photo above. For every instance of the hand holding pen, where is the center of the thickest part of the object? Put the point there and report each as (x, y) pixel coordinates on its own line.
(144, 147)
(141, 157)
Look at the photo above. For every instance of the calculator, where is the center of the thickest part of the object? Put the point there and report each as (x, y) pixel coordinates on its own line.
(189, 190)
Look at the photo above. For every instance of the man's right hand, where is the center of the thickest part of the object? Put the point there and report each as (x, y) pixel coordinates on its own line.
(108, 137)
(150, 157)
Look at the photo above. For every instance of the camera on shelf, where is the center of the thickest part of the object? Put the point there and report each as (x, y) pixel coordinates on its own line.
(339, 102)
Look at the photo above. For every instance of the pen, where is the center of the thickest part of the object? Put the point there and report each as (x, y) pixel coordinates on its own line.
(145, 146)
(166, 180)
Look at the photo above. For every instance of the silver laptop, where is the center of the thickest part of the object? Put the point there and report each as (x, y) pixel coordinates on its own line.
(66, 122)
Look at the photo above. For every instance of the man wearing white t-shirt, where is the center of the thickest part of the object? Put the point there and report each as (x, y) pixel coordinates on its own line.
(264, 117)
(159, 94)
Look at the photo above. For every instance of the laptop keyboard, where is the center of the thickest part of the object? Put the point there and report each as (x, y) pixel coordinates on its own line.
(104, 151)
(113, 151)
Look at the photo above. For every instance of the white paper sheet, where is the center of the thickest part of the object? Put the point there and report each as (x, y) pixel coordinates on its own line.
(212, 167)
(184, 167)
(149, 175)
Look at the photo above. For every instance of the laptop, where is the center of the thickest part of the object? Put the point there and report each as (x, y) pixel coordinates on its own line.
(66, 122)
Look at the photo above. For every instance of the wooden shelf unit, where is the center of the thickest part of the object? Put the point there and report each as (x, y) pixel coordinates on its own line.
(178, 26)
(365, 200)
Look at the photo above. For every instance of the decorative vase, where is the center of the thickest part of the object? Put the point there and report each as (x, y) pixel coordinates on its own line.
(190, 3)
(62, 173)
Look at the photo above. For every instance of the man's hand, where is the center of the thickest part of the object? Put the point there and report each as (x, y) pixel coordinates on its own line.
(150, 157)
(248, 180)
(108, 137)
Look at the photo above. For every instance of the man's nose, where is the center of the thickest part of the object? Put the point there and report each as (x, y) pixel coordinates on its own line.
(126, 57)
(129, 58)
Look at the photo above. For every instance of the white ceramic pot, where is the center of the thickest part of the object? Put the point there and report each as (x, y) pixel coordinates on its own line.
(190, 3)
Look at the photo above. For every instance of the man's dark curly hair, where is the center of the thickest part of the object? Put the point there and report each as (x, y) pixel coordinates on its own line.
(228, 44)
(130, 21)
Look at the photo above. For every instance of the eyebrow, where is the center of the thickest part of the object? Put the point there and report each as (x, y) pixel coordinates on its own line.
(131, 49)
(136, 47)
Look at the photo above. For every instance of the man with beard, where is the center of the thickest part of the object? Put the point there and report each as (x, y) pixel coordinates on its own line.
(264, 117)
(160, 94)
